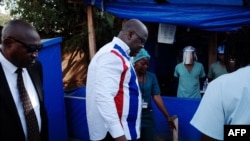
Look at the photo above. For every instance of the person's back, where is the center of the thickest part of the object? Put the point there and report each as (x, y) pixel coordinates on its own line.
(227, 98)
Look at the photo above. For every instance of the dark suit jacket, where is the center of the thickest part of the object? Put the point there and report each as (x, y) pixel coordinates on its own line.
(10, 124)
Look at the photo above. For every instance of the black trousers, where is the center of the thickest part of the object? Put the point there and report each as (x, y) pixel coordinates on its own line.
(108, 137)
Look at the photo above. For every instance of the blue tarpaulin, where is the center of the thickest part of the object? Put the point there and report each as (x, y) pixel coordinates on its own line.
(210, 2)
(213, 15)
(50, 57)
(183, 108)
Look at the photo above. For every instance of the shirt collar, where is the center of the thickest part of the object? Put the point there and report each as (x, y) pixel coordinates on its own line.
(7, 64)
(122, 44)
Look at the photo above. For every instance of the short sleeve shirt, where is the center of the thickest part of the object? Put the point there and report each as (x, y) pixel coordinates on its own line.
(189, 83)
(149, 88)
(216, 70)
(225, 102)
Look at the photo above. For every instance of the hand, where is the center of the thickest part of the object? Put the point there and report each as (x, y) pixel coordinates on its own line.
(121, 138)
(171, 123)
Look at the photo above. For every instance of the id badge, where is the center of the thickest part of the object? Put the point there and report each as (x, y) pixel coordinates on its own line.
(144, 104)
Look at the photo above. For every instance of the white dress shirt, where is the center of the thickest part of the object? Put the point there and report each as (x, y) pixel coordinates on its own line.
(9, 70)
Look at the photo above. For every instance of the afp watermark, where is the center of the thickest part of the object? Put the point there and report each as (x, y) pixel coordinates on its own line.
(237, 132)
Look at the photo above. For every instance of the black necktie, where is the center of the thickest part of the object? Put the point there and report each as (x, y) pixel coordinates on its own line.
(30, 116)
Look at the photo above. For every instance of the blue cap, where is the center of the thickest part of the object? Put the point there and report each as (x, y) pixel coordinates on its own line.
(220, 49)
(141, 54)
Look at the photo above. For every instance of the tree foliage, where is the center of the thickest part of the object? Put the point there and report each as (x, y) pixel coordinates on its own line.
(4, 18)
(53, 18)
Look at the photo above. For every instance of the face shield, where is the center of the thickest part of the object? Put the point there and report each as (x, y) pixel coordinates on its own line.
(189, 55)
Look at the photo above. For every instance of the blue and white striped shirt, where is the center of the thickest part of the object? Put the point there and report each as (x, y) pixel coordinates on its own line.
(113, 98)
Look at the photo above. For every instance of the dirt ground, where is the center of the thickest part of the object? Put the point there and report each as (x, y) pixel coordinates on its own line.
(74, 67)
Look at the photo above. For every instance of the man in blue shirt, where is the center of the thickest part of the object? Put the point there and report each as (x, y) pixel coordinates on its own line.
(189, 73)
(217, 68)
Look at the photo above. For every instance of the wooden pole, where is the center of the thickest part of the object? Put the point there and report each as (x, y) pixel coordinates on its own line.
(212, 53)
(176, 131)
(91, 31)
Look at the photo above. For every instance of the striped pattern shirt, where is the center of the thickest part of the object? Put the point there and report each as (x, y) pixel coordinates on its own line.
(113, 98)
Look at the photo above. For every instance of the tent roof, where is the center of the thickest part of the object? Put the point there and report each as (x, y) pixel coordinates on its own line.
(214, 15)
(193, 2)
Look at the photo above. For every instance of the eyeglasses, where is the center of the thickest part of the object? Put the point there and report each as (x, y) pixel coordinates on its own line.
(30, 48)
(142, 40)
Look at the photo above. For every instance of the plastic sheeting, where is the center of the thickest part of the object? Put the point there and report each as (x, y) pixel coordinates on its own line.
(210, 2)
(76, 114)
(184, 109)
(209, 16)
(50, 57)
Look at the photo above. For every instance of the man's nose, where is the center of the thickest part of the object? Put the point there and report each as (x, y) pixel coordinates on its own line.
(35, 53)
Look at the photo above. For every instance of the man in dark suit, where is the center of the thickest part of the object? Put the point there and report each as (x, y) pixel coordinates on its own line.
(20, 46)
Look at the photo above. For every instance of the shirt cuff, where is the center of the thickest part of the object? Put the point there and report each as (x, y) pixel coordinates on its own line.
(116, 130)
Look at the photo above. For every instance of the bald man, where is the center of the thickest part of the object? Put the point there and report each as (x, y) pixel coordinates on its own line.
(113, 98)
(20, 46)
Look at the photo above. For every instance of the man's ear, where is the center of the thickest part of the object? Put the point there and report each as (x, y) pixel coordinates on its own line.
(130, 34)
(7, 42)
